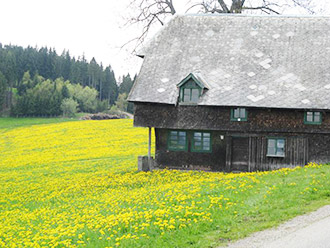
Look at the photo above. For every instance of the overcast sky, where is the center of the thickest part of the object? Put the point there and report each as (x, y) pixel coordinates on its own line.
(94, 28)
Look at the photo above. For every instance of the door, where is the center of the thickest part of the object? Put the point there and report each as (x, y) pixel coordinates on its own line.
(240, 154)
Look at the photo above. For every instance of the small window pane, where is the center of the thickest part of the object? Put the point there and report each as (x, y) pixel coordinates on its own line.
(186, 95)
(236, 113)
(197, 134)
(280, 152)
(186, 91)
(198, 143)
(182, 142)
(317, 117)
(271, 143)
(198, 146)
(271, 151)
(242, 113)
(194, 95)
(280, 143)
(182, 134)
(309, 116)
(206, 147)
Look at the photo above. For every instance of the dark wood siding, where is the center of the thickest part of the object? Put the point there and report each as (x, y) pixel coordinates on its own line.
(296, 153)
(240, 154)
(218, 118)
(247, 152)
(244, 146)
(215, 160)
(319, 148)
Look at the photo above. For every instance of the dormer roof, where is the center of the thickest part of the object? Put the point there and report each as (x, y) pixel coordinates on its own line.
(198, 79)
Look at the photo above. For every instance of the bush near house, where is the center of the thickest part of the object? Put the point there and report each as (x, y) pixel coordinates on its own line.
(75, 184)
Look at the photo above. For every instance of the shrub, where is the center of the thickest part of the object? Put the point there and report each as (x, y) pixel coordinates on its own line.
(69, 107)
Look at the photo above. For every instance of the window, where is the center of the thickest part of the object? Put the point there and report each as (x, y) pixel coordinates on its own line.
(276, 147)
(313, 117)
(190, 90)
(238, 114)
(201, 142)
(177, 140)
(190, 95)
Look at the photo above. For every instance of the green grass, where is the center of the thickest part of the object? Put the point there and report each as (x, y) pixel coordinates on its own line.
(276, 198)
(279, 198)
(77, 184)
(10, 123)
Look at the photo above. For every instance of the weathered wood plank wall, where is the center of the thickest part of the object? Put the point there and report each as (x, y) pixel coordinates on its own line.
(218, 118)
(304, 143)
(296, 153)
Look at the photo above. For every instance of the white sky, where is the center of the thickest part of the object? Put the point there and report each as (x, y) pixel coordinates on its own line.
(94, 28)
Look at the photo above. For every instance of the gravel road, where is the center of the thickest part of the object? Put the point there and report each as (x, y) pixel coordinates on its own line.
(306, 231)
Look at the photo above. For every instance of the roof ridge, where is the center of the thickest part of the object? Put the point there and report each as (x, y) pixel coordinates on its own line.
(253, 15)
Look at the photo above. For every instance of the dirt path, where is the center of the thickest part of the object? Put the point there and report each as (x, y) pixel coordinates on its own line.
(306, 231)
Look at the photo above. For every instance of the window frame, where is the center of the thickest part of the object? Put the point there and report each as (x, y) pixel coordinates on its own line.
(276, 139)
(171, 148)
(191, 88)
(232, 117)
(312, 122)
(193, 149)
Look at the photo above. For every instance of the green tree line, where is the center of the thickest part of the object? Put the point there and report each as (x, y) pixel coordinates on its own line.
(44, 63)
(38, 96)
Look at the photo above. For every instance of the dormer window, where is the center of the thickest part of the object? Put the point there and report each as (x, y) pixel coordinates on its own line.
(190, 94)
(191, 88)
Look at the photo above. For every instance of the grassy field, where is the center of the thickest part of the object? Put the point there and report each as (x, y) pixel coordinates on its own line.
(11, 123)
(75, 184)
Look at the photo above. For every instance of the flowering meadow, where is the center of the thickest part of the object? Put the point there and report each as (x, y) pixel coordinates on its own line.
(75, 184)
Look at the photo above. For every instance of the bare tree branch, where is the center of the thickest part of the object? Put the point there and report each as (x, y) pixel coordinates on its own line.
(224, 6)
(150, 12)
(305, 4)
(262, 8)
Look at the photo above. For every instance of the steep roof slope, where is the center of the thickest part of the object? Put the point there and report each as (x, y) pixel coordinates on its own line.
(256, 61)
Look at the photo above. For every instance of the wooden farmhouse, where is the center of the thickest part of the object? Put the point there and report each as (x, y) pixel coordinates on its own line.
(237, 93)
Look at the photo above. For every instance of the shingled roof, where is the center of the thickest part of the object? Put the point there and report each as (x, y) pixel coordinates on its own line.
(250, 61)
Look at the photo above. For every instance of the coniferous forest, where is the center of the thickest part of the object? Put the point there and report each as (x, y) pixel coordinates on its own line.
(40, 82)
